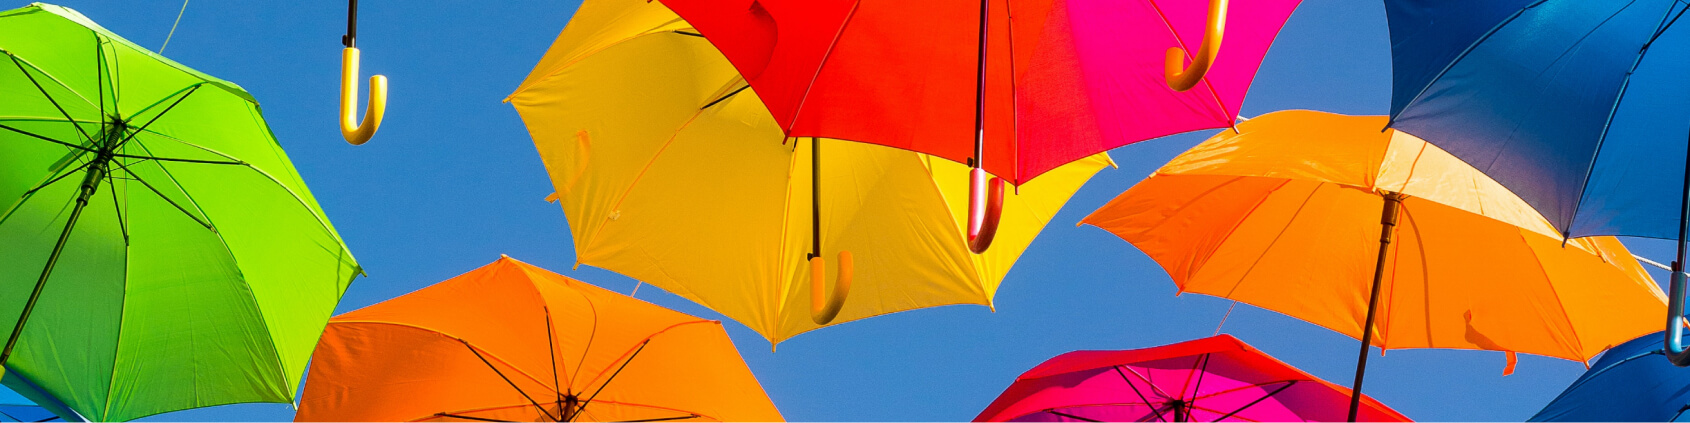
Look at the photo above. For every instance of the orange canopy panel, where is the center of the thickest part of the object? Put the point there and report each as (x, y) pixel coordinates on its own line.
(1285, 214)
(514, 342)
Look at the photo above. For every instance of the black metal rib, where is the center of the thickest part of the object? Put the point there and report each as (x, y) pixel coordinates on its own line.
(552, 351)
(725, 96)
(1253, 403)
(460, 416)
(44, 138)
(155, 118)
(695, 34)
(583, 408)
(663, 419)
(50, 99)
(169, 159)
(519, 390)
(1141, 396)
(1071, 416)
(1196, 387)
(125, 169)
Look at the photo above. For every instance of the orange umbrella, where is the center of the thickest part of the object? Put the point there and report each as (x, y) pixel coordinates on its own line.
(514, 342)
(1289, 214)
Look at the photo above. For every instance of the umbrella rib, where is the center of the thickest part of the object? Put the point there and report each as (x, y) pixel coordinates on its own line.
(1071, 416)
(117, 205)
(827, 54)
(1276, 237)
(519, 390)
(1140, 393)
(1253, 403)
(43, 138)
(551, 349)
(155, 118)
(170, 159)
(1615, 108)
(321, 222)
(1197, 387)
(31, 193)
(1458, 58)
(1241, 388)
(458, 416)
(49, 97)
(589, 401)
(167, 199)
(1578, 345)
(724, 96)
(664, 419)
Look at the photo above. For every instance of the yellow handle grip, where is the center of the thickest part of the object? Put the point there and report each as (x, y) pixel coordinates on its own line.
(1179, 77)
(354, 131)
(823, 307)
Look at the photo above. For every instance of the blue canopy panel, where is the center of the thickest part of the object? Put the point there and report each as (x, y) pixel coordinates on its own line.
(1525, 91)
(25, 413)
(1630, 383)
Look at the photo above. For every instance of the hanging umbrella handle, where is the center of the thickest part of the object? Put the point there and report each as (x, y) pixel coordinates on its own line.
(824, 307)
(1179, 77)
(1675, 349)
(985, 208)
(351, 128)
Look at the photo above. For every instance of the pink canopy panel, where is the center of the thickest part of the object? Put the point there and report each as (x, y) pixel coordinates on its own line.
(1212, 379)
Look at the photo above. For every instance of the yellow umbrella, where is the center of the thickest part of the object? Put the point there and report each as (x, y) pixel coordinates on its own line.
(1290, 213)
(672, 172)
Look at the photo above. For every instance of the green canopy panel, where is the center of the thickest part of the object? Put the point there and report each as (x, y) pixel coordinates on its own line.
(186, 263)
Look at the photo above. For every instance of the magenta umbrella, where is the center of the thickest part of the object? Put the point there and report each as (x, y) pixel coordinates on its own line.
(1218, 378)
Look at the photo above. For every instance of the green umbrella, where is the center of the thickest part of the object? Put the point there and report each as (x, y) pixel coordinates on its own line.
(158, 251)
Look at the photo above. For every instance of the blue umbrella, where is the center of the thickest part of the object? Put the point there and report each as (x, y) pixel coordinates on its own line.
(1581, 107)
(25, 413)
(1629, 384)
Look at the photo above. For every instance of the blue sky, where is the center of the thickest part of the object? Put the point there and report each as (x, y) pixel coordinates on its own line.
(453, 180)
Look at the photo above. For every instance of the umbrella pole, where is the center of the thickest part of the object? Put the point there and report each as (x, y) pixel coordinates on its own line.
(1675, 351)
(1388, 224)
(90, 183)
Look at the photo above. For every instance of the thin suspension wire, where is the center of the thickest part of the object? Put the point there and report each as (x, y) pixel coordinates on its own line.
(173, 27)
(1225, 316)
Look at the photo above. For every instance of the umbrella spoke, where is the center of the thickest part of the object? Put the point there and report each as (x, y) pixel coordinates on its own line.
(1258, 400)
(1140, 393)
(589, 401)
(460, 416)
(31, 193)
(137, 178)
(117, 205)
(723, 97)
(50, 99)
(1201, 368)
(155, 118)
(44, 138)
(171, 159)
(663, 419)
(1071, 416)
(519, 390)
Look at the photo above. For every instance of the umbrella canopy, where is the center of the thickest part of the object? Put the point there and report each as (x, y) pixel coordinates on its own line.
(1630, 383)
(1579, 106)
(1065, 80)
(158, 251)
(671, 172)
(25, 413)
(1219, 378)
(1285, 215)
(514, 342)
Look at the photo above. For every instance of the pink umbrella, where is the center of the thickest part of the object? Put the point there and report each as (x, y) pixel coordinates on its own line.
(1218, 378)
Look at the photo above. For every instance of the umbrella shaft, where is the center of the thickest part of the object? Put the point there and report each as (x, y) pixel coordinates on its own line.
(980, 93)
(90, 184)
(1388, 224)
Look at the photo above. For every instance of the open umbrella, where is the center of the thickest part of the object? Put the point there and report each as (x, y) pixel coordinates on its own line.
(514, 342)
(1218, 378)
(158, 251)
(1380, 236)
(1630, 383)
(25, 413)
(667, 170)
(1579, 106)
(1013, 87)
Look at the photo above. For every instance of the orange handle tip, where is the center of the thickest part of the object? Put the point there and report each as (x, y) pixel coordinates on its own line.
(1181, 78)
(824, 307)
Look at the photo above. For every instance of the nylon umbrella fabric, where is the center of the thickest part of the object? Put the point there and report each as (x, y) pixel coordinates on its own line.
(1580, 107)
(513, 342)
(1066, 80)
(673, 173)
(25, 413)
(1286, 215)
(199, 270)
(1630, 383)
(1219, 378)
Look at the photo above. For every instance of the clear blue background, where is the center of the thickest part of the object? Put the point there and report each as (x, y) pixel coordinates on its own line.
(453, 180)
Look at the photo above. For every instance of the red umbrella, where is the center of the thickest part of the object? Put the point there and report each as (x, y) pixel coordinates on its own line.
(1016, 86)
(1212, 379)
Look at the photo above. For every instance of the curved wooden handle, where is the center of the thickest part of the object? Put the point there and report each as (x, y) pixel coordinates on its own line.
(824, 307)
(985, 207)
(354, 131)
(1179, 77)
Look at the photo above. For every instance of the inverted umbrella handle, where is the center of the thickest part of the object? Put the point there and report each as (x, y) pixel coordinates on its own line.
(823, 306)
(1675, 349)
(1181, 78)
(355, 131)
(985, 208)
